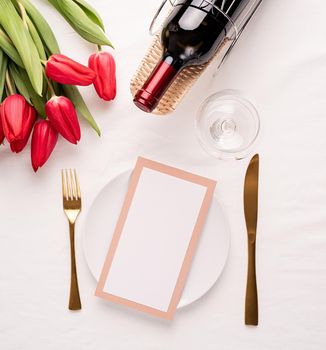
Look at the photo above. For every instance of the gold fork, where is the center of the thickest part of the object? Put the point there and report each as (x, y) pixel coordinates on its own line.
(72, 207)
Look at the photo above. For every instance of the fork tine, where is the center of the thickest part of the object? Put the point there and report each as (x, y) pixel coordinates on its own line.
(77, 185)
(73, 185)
(64, 187)
(68, 185)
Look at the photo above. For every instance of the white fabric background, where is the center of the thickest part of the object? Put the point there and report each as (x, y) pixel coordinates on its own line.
(280, 63)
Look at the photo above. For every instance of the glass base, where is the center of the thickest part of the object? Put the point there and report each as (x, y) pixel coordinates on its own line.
(227, 125)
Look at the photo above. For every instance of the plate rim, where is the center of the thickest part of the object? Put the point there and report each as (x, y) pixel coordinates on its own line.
(107, 183)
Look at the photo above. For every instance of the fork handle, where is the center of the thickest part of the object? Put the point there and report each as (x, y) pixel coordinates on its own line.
(74, 299)
(251, 311)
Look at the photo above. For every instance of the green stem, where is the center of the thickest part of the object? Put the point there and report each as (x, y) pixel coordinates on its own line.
(9, 84)
(51, 89)
(99, 48)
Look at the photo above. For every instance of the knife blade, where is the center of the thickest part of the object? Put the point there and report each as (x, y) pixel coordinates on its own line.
(251, 215)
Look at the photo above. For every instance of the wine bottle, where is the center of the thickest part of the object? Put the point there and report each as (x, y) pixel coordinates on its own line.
(191, 35)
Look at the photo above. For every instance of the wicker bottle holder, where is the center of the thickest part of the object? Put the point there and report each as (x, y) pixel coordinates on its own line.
(189, 75)
(179, 88)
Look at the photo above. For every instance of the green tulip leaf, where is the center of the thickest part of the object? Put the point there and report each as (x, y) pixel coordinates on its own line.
(22, 40)
(42, 27)
(37, 40)
(80, 21)
(7, 46)
(36, 100)
(3, 69)
(91, 13)
(20, 84)
(75, 96)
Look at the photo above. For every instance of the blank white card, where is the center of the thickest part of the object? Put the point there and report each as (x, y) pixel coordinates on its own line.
(155, 238)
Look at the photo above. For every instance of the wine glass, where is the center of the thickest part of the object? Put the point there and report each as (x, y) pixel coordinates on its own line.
(227, 125)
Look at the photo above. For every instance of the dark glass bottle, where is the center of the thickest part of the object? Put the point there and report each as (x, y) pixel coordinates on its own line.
(190, 36)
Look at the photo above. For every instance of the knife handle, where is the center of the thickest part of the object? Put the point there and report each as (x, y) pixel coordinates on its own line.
(251, 311)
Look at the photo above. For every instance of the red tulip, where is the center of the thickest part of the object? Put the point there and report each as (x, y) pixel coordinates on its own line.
(44, 140)
(63, 116)
(105, 82)
(64, 70)
(17, 118)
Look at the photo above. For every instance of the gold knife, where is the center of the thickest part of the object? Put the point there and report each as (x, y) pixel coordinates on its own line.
(251, 213)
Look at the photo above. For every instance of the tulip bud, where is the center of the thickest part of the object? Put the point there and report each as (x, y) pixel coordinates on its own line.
(63, 116)
(64, 70)
(44, 139)
(17, 118)
(103, 65)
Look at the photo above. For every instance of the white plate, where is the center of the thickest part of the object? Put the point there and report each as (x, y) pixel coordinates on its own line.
(210, 256)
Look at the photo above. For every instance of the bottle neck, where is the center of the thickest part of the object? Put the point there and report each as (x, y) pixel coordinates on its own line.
(149, 96)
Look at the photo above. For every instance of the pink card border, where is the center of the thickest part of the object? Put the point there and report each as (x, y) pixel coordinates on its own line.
(146, 163)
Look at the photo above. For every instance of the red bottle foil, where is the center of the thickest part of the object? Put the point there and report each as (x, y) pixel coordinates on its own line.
(159, 81)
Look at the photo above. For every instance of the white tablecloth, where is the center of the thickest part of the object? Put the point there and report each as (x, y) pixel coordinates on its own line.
(280, 63)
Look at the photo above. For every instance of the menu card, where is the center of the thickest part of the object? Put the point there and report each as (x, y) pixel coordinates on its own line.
(155, 238)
